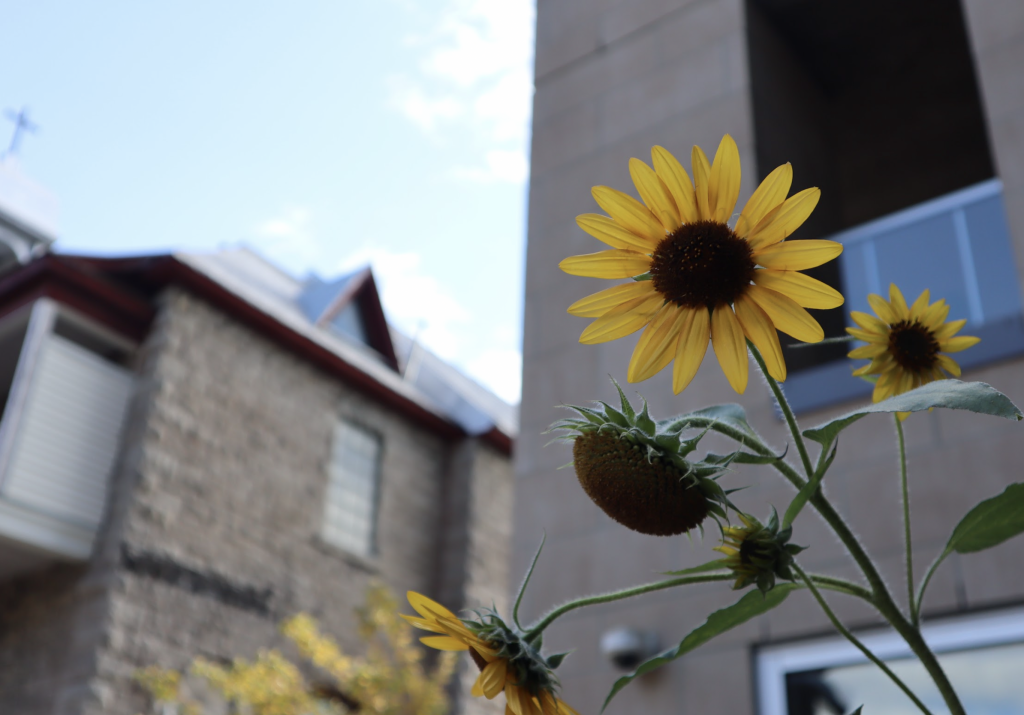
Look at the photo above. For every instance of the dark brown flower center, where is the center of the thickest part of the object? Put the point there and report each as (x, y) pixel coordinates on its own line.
(702, 264)
(651, 498)
(913, 346)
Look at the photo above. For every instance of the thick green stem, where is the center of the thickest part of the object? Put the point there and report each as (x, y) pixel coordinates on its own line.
(555, 613)
(787, 412)
(883, 600)
(856, 642)
(908, 546)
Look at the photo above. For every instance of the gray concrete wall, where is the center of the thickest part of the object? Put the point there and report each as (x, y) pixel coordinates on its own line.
(213, 531)
(612, 80)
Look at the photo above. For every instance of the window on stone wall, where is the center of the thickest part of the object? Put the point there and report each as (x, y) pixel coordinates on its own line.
(353, 485)
(983, 656)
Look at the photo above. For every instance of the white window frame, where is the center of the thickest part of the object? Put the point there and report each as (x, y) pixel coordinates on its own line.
(774, 663)
(332, 531)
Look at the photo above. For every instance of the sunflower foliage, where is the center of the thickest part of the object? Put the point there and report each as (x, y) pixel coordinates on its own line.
(389, 678)
(687, 276)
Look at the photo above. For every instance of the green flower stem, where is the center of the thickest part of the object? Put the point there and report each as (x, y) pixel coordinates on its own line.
(883, 600)
(833, 584)
(908, 547)
(787, 412)
(856, 642)
(843, 586)
(555, 613)
(924, 582)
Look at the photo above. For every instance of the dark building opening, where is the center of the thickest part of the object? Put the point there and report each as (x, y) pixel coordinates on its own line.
(875, 102)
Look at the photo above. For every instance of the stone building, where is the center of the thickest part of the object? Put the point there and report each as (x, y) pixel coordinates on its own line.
(910, 117)
(195, 447)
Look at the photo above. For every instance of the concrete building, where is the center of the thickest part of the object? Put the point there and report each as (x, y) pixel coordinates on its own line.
(910, 117)
(195, 447)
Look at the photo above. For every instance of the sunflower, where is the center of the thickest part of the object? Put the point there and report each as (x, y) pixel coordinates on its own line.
(506, 662)
(906, 343)
(697, 278)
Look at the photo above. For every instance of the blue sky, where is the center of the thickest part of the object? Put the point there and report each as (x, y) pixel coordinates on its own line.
(323, 134)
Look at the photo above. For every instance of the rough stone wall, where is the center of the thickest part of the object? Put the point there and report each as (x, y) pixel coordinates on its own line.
(212, 536)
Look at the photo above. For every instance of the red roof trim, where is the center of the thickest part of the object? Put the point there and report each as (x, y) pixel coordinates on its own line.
(80, 282)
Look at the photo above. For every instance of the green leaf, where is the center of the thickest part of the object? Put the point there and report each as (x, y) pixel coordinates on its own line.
(627, 409)
(729, 414)
(752, 604)
(556, 660)
(953, 394)
(857, 711)
(990, 523)
(715, 565)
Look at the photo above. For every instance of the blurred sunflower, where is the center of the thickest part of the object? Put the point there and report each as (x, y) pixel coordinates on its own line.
(906, 343)
(696, 278)
(506, 662)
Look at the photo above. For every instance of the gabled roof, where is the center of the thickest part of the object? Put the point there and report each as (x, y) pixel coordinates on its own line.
(119, 291)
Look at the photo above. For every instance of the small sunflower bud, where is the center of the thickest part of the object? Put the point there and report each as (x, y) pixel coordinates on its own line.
(637, 472)
(758, 553)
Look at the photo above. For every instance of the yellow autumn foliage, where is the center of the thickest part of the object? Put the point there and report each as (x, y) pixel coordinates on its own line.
(390, 679)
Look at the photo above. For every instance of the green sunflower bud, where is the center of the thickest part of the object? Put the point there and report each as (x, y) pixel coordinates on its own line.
(759, 553)
(638, 473)
(530, 670)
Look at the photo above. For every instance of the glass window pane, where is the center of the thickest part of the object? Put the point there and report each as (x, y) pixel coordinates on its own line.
(351, 494)
(988, 681)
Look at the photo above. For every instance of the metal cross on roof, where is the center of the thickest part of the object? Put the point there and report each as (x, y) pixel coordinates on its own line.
(21, 123)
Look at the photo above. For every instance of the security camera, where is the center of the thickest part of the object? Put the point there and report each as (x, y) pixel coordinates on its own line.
(628, 647)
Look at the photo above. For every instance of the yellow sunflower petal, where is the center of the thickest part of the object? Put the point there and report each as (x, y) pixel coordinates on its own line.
(867, 351)
(678, 183)
(935, 315)
(919, 306)
(898, 303)
(866, 336)
(612, 327)
(628, 213)
(949, 365)
(780, 223)
(948, 330)
(655, 194)
(905, 382)
(606, 230)
(444, 643)
(806, 291)
(548, 703)
(885, 386)
(614, 263)
(730, 347)
(869, 322)
(955, 345)
(771, 193)
(694, 335)
(724, 180)
(786, 314)
(798, 255)
(656, 347)
(423, 624)
(701, 177)
(882, 309)
(758, 327)
(491, 680)
(597, 304)
(427, 607)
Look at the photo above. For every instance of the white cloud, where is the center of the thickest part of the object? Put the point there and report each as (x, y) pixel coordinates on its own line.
(473, 77)
(416, 303)
(499, 165)
(287, 239)
(501, 371)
